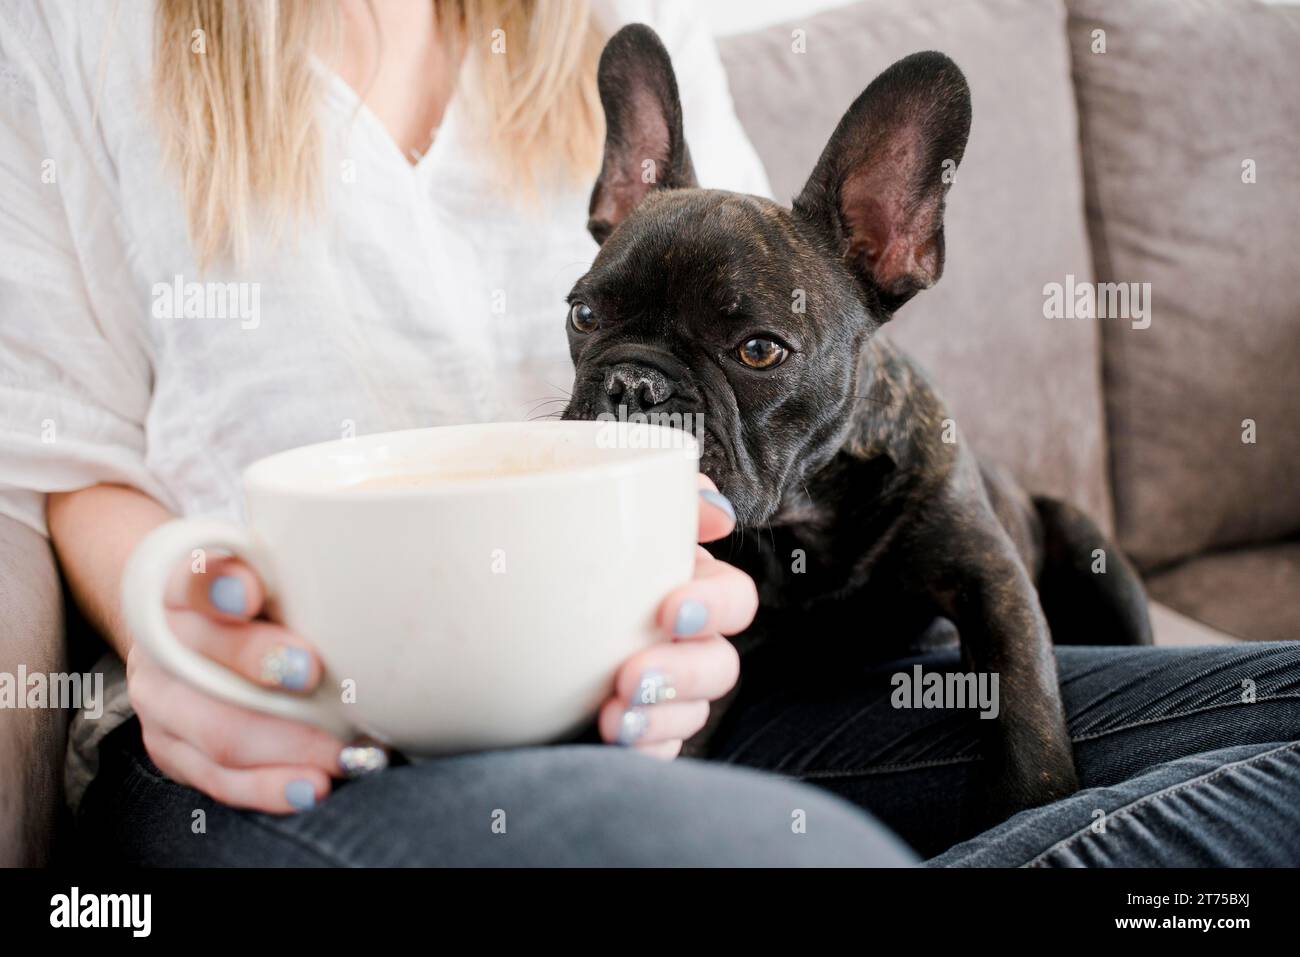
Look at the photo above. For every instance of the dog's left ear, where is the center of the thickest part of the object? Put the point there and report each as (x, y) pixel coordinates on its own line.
(644, 146)
(878, 190)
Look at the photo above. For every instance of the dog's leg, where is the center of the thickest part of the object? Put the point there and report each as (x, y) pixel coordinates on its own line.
(1090, 593)
(986, 591)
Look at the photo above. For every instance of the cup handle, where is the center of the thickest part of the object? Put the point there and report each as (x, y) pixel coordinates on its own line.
(143, 583)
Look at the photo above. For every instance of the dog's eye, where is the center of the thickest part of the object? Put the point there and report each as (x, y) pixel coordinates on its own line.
(761, 353)
(581, 317)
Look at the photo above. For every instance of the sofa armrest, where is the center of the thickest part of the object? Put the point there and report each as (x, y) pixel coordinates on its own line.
(32, 740)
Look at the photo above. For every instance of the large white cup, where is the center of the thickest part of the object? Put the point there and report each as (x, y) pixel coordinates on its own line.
(487, 607)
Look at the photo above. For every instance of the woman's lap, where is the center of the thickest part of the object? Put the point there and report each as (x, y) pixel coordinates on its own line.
(1181, 764)
(571, 805)
(1131, 712)
(1231, 807)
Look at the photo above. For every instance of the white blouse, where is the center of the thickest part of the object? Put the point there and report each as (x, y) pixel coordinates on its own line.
(421, 296)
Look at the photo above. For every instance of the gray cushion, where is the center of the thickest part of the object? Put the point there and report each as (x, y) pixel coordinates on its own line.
(1253, 593)
(32, 740)
(1173, 629)
(1185, 92)
(1025, 390)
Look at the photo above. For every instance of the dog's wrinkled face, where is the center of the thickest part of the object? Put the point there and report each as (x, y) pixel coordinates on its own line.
(723, 305)
(736, 309)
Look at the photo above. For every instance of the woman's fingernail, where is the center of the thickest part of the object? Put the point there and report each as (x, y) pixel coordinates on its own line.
(288, 667)
(719, 501)
(655, 688)
(356, 760)
(691, 618)
(301, 795)
(633, 726)
(227, 594)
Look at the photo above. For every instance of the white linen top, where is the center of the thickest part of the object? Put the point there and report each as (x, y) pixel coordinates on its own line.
(422, 296)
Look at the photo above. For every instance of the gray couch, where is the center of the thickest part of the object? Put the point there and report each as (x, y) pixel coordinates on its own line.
(1121, 166)
(31, 741)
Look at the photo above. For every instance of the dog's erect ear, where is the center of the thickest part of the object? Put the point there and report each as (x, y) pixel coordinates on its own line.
(644, 146)
(878, 189)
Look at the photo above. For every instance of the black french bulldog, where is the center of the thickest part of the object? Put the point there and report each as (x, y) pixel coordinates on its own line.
(826, 439)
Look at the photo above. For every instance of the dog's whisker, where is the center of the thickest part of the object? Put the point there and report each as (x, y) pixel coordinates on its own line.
(567, 393)
(545, 402)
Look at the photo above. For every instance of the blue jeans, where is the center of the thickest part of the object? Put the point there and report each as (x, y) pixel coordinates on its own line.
(1186, 756)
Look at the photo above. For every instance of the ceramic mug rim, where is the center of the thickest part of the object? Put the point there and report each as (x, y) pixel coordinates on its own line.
(266, 475)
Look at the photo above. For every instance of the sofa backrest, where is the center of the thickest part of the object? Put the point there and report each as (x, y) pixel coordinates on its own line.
(1190, 124)
(1024, 389)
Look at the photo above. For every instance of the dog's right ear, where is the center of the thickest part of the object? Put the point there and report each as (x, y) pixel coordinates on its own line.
(644, 146)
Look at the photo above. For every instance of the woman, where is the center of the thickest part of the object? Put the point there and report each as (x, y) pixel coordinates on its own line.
(401, 193)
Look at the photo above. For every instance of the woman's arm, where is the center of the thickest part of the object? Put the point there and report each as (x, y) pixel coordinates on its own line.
(93, 531)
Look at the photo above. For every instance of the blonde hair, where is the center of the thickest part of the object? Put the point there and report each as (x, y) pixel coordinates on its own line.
(236, 98)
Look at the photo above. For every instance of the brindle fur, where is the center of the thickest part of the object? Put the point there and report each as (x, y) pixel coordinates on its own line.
(840, 453)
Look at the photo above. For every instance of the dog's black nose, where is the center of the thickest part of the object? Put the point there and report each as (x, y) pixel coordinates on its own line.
(638, 387)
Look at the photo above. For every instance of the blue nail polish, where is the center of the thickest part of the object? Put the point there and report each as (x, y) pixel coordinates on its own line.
(633, 727)
(719, 501)
(301, 795)
(288, 667)
(691, 618)
(227, 594)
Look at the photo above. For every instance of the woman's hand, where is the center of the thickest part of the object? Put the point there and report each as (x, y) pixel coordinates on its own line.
(661, 695)
(239, 757)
